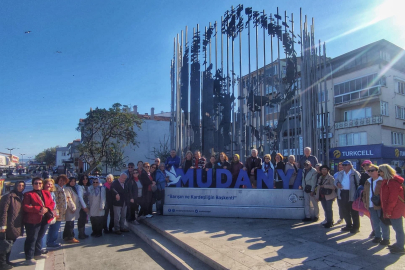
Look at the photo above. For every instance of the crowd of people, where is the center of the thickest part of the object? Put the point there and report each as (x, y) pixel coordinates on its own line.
(111, 206)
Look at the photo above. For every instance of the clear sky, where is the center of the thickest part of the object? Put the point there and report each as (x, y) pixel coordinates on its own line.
(81, 54)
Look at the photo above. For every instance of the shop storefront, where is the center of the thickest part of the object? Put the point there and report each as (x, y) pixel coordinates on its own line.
(377, 153)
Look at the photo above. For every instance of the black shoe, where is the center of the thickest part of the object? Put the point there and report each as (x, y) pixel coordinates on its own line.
(124, 230)
(307, 219)
(328, 225)
(12, 264)
(93, 234)
(44, 251)
(6, 266)
(346, 229)
(118, 232)
(98, 235)
(354, 231)
(106, 231)
(385, 242)
(372, 235)
(376, 240)
(396, 250)
(315, 219)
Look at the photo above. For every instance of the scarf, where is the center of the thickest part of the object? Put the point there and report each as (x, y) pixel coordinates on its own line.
(19, 194)
(73, 188)
(97, 191)
(107, 185)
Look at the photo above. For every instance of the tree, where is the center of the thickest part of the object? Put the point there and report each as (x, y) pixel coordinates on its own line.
(103, 130)
(48, 156)
(163, 151)
(115, 157)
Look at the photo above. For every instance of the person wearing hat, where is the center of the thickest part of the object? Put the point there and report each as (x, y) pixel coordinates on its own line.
(326, 194)
(347, 182)
(309, 178)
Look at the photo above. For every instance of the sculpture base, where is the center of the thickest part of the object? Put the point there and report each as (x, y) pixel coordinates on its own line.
(244, 203)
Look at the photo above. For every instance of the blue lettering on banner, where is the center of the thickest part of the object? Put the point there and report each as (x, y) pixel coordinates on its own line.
(187, 179)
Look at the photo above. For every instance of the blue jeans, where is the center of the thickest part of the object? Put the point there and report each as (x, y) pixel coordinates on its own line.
(327, 208)
(398, 227)
(53, 234)
(377, 225)
(33, 242)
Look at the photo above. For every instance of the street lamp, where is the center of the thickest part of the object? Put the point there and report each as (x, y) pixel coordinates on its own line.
(22, 162)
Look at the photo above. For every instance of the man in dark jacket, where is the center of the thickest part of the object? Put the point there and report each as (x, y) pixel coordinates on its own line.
(364, 175)
(253, 163)
(308, 156)
(131, 192)
(119, 205)
(172, 160)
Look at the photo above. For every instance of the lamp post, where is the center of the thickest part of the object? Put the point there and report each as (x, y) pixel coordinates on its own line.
(22, 162)
(11, 157)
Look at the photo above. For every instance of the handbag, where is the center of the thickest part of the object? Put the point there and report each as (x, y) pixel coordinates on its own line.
(384, 220)
(5, 245)
(326, 191)
(358, 206)
(308, 188)
(154, 188)
(48, 215)
(375, 199)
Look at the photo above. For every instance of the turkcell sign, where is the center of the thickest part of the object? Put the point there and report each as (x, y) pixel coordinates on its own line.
(179, 179)
(357, 153)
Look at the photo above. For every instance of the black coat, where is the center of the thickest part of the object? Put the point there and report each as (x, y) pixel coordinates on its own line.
(278, 166)
(131, 190)
(11, 215)
(249, 167)
(146, 182)
(116, 188)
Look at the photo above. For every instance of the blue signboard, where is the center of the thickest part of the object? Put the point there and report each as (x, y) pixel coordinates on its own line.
(372, 151)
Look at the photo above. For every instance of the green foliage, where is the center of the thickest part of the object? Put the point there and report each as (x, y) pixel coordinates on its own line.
(105, 133)
(115, 157)
(163, 151)
(48, 156)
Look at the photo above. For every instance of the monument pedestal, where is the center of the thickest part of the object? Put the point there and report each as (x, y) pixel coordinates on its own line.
(230, 202)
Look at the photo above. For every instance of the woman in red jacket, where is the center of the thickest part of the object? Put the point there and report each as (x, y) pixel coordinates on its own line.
(37, 206)
(393, 204)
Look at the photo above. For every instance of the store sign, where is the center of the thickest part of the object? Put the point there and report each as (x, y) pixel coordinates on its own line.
(399, 153)
(3, 161)
(356, 152)
(15, 159)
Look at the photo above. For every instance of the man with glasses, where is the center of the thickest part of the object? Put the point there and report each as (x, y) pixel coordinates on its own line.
(347, 182)
(309, 179)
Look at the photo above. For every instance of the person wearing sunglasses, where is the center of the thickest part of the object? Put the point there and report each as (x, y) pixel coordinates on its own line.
(97, 203)
(130, 171)
(347, 182)
(393, 204)
(372, 189)
(37, 206)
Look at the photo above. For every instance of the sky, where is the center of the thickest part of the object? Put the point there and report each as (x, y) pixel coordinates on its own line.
(82, 54)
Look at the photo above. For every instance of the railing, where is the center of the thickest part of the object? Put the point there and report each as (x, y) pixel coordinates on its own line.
(374, 120)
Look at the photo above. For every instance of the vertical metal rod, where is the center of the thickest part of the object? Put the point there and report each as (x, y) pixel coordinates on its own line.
(258, 142)
(233, 95)
(326, 106)
(241, 94)
(263, 92)
(272, 83)
(172, 135)
(288, 111)
(216, 48)
(296, 141)
(279, 80)
(187, 123)
(177, 96)
(248, 92)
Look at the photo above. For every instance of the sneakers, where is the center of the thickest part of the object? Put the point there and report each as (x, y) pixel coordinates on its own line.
(385, 242)
(324, 222)
(307, 219)
(340, 220)
(30, 262)
(149, 216)
(376, 240)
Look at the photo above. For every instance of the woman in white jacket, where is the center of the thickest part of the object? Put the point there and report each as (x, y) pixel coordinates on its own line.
(96, 204)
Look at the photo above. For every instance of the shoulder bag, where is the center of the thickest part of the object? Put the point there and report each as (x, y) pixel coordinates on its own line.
(325, 191)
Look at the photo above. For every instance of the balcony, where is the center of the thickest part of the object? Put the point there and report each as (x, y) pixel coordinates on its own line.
(373, 120)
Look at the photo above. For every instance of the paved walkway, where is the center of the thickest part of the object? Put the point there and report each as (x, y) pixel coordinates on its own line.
(277, 244)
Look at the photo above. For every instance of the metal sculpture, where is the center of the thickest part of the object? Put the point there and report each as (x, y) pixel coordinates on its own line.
(206, 116)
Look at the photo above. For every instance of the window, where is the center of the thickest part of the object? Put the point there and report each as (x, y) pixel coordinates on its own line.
(384, 108)
(321, 95)
(400, 112)
(358, 88)
(357, 114)
(397, 138)
(320, 120)
(401, 88)
(350, 139)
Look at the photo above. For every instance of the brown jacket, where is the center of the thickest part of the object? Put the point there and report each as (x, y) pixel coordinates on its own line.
(11, 215)
(367, 194)
(329, 183)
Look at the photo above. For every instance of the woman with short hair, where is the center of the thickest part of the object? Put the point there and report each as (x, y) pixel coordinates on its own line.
(290, 165)
(109, 209)
(279, 165)
(393, 204)
(235, 168)
(187, 162)
(37, 205)
(326, 194)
